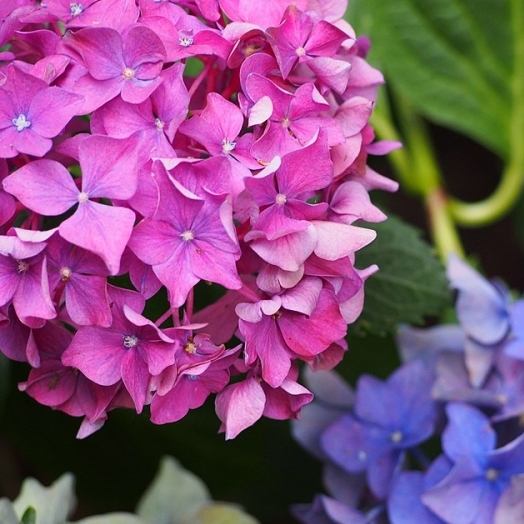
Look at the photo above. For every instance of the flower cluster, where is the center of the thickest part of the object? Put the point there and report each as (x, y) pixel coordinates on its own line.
(461, 383)
(151, 147)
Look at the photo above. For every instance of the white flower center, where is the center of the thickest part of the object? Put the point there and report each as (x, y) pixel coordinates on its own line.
(130, 341)
(128, 73)
(83, 197)
(159, 124)
(190, 348)
(492, 474)
(187, 236)
(285, 122)
(185, 41)
(300, 51)
(280, 199)
(185, 37)
(21, 122)
(396, 436)
(228, 146)
(22, 266)
(65, 274)
(76, 9)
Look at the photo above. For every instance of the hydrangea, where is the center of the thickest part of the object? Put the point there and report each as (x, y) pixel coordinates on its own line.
(460, 385)
(151, 149)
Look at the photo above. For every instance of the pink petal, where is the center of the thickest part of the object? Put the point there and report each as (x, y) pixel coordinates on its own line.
(104, 230)
(337, 240)
(239, 406)
(44, 186)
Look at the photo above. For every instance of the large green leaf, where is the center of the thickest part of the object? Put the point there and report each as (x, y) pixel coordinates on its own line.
(411, 283)
(458, 61)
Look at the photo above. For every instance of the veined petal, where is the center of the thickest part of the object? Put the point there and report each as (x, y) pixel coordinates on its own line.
(44, 186)
(239, 406)
(103, 230)
(97, 353)
(337, 240)
(111, 172)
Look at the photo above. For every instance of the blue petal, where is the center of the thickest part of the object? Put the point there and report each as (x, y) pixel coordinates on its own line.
(481, 307)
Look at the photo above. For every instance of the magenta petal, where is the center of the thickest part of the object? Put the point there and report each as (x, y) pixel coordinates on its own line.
(324, 326)
(265, 341)
(9, 278)
(135, 377)
(178, 282)
(286, 401)
(103, 230)
(7, 138)
(240, 405)
(7, 207)
(112, 171)
(102, 51)
(51, 384)
(44, 186)
(86, 300)
(155, 241)
(13, 338)
(288, 252)
(51, 109)
(141, 321)
(303, 297)
(97, 353)
(137, 91)
(32, 300)
(31, 143)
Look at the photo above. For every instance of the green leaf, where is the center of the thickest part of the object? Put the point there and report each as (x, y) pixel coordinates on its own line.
(174, 497)
(457, 61)
(411, 283)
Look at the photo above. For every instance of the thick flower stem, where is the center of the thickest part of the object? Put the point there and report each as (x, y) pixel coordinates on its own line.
(419, 173)
(497, 205)
(443, 229)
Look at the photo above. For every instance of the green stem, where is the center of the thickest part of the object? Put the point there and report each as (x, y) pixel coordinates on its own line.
(418, 171)
(443, 229)
(496, 205)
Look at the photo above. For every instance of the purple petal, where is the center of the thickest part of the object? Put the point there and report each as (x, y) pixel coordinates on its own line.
(404, 504)
(468, 433)
(510, 507)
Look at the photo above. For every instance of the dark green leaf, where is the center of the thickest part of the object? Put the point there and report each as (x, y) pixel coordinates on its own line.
(453, 59)
(411, 283)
